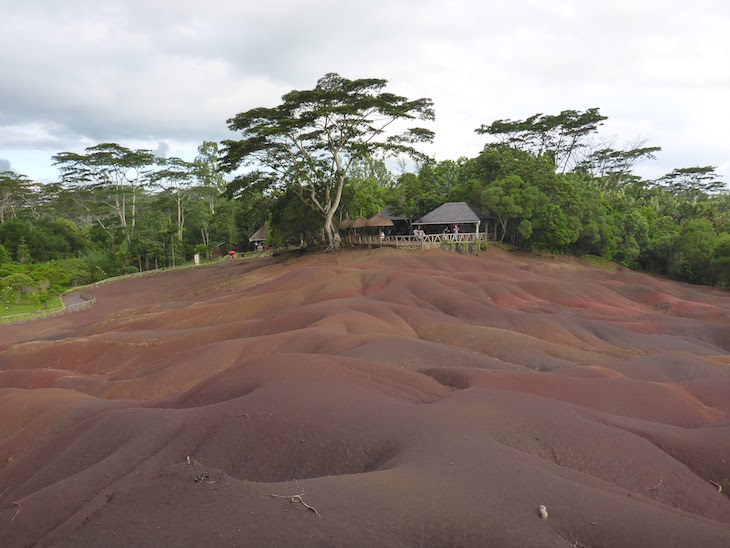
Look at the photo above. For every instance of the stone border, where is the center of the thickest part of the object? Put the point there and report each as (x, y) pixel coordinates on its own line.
(89, 301)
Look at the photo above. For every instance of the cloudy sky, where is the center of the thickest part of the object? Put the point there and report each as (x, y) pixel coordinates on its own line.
(167, 74)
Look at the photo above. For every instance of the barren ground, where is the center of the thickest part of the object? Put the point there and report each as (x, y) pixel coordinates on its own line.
(411, 398)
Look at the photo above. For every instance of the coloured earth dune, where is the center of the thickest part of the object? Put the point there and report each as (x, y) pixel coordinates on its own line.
(372, 398)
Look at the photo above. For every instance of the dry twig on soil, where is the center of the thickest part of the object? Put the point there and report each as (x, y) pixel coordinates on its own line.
(657, 485)
(719, 487)
(573, 544)
(298, 499)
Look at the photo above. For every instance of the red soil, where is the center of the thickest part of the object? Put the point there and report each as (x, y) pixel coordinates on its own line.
(414, 398)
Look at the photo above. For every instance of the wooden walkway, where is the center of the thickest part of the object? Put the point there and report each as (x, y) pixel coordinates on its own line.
(426, 241)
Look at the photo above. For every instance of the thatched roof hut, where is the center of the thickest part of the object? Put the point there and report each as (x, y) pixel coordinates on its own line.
(379, 220)
(259, 236)
(359, 222)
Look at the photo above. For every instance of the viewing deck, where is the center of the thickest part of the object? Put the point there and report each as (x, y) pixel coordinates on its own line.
(426, 241)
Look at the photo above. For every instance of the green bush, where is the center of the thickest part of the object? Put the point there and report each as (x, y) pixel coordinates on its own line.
(17, 284)
(102, 266)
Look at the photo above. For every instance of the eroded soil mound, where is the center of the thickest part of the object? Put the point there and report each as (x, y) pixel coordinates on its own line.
(409, 398)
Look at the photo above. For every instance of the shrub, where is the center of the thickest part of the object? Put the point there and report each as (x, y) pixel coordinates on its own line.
(17, 284)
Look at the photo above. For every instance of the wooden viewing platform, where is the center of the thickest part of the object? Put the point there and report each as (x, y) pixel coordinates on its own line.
(426, 241)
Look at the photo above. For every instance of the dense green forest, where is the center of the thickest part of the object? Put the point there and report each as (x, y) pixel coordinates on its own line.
(544, 183)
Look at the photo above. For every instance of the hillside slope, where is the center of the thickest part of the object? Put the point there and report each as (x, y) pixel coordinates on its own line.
(411, 398)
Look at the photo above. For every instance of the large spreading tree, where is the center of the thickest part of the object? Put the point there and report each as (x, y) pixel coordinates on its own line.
(110, 176)
(14, 192)
(311, 140)
(177, 178)
(560, 136)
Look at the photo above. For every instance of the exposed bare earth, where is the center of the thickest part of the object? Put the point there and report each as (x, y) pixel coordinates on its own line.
(412, 398)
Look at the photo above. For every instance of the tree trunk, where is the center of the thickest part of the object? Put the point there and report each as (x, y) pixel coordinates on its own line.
(333, 237)
(205, 232)
(134, 207)
(180, 220)
(334, 240)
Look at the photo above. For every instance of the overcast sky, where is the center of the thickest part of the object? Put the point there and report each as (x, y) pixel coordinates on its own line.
(166, 75)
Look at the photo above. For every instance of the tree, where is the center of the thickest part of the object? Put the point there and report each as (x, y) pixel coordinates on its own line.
(292, 222)
(692, 182)
(612, 168)
(510, 199)
(112, 175)
(691, 252)
(559, 136)
(22, 252)
(212, 182)
(17, 283)
(309, 142)
(228, 223)
(211, 185)
(365, 188)
(150, 242)
(177, 179)
(14, 191)
(721, 260)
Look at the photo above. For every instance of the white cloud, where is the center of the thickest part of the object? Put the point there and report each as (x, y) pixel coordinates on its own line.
(175, 71)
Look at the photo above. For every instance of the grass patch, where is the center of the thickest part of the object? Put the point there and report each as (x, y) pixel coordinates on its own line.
(510, 247)
(10, 308)
(600, 262)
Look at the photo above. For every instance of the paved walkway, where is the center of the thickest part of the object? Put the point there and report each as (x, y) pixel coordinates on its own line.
(72, 298)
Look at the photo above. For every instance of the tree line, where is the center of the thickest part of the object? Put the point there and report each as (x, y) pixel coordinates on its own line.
(546, 182)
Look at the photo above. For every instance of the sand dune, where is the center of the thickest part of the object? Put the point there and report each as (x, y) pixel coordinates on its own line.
(411, 398)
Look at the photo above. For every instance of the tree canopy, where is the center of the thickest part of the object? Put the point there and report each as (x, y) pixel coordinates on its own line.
(560, 136)
(310, 141)
(111, 175)
(544, 183)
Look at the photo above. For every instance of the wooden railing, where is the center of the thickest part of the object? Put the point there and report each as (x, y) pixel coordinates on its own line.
(412, 241)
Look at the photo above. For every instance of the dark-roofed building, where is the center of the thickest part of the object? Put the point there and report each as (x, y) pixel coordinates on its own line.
(259, 236)
(387, 211)
(451, 213)
(400, 223)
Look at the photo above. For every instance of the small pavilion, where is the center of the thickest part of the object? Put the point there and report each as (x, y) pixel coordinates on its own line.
(259, 237)
(451, 213)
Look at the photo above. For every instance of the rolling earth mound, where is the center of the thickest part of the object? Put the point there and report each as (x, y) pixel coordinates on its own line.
(372, 398)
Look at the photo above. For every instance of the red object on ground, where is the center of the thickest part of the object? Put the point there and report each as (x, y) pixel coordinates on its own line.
(231, 252)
